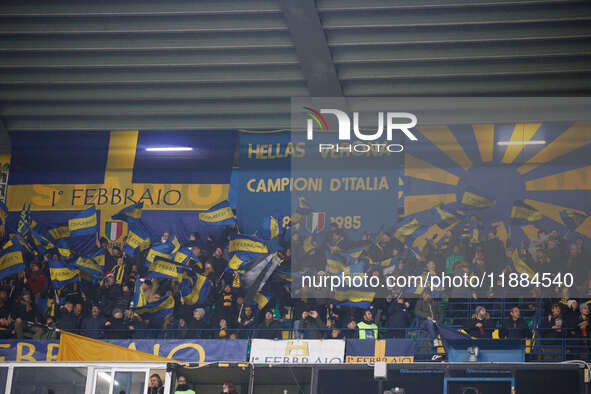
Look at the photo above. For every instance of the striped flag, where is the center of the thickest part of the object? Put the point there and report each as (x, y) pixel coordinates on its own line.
(114, 230)
(315, 222)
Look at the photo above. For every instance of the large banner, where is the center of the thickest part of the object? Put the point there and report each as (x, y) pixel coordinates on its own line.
(544, 165)
(62, 172)
(182, 350)
(385, 350)
(276, 169)
(297, 351)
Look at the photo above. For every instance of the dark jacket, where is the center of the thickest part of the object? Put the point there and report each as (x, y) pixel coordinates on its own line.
(515, 329)
(92, 327)
(424, 309)
(313, 328)
(546, 327)
(485, 331)
(67, 321)
(117, 330)
(196, 329)
(156, 390)
(398, 315)
(269, 329)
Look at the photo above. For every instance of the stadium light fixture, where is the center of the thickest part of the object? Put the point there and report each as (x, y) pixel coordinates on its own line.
(169, 149)
(532, 142)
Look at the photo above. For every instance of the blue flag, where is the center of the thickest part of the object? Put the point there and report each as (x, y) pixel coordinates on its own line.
(62, 273)
(522, 214)
(11, 259)
(84, 223)
(194, 288)
(220, 214)
(572, 219)
(137, 239)
(130, 213)
(156, 310)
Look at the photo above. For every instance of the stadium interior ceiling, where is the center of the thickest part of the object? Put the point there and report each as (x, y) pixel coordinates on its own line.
(220, 64)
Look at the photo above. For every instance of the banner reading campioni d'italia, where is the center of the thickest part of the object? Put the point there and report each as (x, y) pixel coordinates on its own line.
(70, 171)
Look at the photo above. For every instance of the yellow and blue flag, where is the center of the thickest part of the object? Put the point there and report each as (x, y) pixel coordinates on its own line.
(139, 298)
(523, 214)
(156, 310)
(409, 229)
(270, 227)
(445, 216)
(62, 274)
(184, 256)
(302, 210)
(59, 232)
(520, 265)
(247, 244)
(130, 213)
(356, 298)
(41, 244)
(11, 259)
(572, 219)
(194, 288)
(63, 248)
(159, 251)
(137, 238)
(261, 300)
(220, 214)
(23, 225)
(244, 248)
(19, 239)
(475, 199)
(84, 223)
(90, 266)
(165, 269)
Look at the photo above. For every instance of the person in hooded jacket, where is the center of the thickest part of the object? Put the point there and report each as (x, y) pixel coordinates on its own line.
(156, 386)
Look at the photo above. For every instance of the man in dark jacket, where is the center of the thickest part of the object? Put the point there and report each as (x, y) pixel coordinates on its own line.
(312, 325)
(66, 319)
(429, 312)
(553, 325)
(92, 326)
(116, 327)
(515, 327)
(398, 317)
(197, 325)
(269, 328)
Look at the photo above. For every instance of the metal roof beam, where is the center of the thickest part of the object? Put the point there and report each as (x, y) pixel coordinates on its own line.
(311, 46)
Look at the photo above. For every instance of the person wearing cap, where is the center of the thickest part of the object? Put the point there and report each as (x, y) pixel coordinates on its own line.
(116, 327)
(197, 325)
(480, 326)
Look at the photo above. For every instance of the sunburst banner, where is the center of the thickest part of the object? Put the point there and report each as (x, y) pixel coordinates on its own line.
(538, 170)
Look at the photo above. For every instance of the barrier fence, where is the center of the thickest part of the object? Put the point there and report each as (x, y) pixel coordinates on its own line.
(544, 345)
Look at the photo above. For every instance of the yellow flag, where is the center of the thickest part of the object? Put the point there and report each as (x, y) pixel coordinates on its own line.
(79, 348)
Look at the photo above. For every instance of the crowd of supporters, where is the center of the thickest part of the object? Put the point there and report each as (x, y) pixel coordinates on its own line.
(31, 308)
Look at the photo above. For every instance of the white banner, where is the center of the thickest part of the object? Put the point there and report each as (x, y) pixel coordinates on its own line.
(297, 351)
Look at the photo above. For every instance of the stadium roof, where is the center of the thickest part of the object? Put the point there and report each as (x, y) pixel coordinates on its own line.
(220, 64)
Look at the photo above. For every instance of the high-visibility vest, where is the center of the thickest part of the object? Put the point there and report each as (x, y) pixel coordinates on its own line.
(367, 331)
